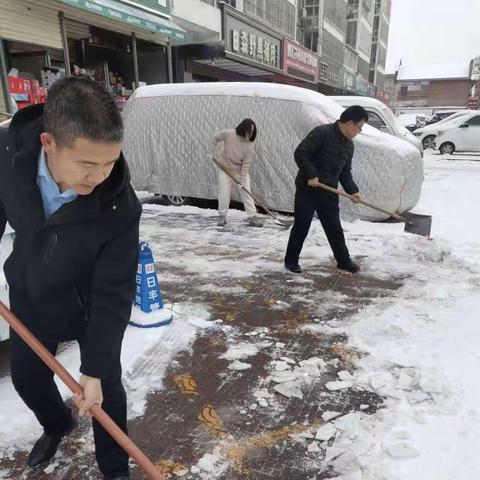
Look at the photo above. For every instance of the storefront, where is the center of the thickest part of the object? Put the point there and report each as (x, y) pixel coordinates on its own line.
(331, 78)
(121, 43)
(251, 51)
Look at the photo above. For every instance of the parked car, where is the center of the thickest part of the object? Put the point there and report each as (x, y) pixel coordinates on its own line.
(380, 117)
(412, 121)
(460, 135)
(440, 115)
(428, 133)
(168, 131)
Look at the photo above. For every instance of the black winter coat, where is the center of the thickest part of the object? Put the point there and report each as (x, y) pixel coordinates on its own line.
(325, 153)
(71, 276)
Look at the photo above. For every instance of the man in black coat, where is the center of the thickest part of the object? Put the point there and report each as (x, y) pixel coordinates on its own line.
(65, 190)
(325, 156)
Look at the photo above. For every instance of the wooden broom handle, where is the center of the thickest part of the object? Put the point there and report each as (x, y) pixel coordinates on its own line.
(96, 410)
(363, 202)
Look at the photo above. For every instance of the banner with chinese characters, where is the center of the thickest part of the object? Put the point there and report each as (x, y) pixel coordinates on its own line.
(245, 38)
(299, 62)
(147, 296)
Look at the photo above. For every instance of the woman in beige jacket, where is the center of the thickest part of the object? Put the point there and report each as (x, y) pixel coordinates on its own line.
(238, 146)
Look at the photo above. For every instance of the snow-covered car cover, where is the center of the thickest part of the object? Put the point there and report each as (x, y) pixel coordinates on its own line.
(168, 129)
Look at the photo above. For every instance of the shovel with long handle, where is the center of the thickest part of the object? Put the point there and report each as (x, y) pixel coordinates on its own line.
(421, 225)
(286, 222)
(96, 410)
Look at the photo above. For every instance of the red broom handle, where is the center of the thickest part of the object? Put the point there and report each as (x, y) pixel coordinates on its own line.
(96, 410)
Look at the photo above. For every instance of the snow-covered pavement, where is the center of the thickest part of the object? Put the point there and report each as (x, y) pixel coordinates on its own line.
(256, 360)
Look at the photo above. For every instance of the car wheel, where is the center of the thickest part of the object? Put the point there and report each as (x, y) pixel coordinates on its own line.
(176, 200)
(447, 148)
(429, 142)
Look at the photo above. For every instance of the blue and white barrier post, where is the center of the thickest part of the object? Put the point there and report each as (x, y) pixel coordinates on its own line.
(148, 297)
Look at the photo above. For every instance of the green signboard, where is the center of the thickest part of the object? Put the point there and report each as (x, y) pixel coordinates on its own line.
(133, 16)
(162, 6)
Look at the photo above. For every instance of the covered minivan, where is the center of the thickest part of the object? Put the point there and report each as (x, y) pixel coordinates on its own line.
(380, 117)
(169, 128)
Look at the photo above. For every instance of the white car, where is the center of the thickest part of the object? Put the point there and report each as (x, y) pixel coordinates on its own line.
(460, 135)
(428, 133)
(380, 117)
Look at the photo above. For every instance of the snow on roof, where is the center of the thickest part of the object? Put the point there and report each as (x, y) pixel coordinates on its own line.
(441, 71)
(241, 89)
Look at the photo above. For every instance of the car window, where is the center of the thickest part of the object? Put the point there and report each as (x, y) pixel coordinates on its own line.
(474, 121)
(375, 121)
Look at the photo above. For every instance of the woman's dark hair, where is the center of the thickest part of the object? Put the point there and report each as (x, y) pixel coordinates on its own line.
(245, 127)
(355, 113)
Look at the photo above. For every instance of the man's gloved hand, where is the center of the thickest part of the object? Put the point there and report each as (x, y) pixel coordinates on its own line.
(92, 393)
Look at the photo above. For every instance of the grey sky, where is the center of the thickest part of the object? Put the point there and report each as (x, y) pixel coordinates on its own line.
(433, 31)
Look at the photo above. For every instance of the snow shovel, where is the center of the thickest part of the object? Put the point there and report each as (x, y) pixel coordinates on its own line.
(285, 222)
(414, 223)
(105, 421)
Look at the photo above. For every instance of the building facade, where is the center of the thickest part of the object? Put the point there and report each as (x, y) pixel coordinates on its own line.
(280, 15)
(381, 28)
(122, 45)
(342, 33)
(433, 86)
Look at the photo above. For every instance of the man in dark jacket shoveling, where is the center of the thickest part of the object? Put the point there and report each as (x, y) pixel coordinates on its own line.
(325, 156)
(65, 190)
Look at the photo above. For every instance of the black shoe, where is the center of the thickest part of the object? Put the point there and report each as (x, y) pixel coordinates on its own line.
(123, 477)
(349, 267)
(294, 268)
(46, 446)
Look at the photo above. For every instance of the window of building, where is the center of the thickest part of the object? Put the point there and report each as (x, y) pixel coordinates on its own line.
(378, 4)
(311, 41)
(376, 23)
(352, 34)
(352, 9)
(373, 57)
(365, 39)
(403, 90)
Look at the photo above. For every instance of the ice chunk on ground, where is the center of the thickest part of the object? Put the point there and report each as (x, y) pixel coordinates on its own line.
(338, 385)
(326, 432)
(289, 389)
(314, 448)
(236, 365)
(345, 376)
(328, 415)
(349, 423)
(280, 365)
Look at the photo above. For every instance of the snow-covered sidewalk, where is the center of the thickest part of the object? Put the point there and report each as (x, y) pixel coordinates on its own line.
(369, 377)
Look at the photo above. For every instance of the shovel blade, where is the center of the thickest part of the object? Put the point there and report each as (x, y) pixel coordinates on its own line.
(418, 224)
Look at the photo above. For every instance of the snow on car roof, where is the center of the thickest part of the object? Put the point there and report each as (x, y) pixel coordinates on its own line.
(434, 72)
(241, 89)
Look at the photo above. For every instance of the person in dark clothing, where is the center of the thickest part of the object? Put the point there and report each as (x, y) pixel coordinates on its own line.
(325, 156)
(65, 190)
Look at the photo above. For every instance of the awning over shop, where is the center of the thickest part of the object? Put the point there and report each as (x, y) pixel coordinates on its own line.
(133, 16)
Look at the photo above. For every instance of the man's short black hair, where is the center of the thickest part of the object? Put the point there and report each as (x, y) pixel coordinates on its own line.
(245, 127)
(355, 113)
(80, 107)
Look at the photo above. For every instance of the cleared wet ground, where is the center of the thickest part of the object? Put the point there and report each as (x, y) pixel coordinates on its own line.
(206, 407)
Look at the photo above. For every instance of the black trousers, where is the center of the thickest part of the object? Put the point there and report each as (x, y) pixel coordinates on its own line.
(326, 206)
(33, 381)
